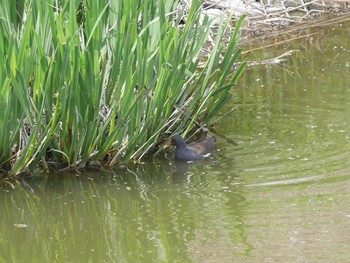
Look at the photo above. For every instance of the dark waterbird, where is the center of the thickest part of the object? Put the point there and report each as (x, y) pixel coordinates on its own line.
(193, 151)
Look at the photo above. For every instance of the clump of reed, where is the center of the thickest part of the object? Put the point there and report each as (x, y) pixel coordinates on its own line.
(86, 82)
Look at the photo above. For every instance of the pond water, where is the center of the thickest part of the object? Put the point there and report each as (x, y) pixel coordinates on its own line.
(276, 190)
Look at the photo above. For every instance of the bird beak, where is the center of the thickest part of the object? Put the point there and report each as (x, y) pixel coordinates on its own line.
(167, 144)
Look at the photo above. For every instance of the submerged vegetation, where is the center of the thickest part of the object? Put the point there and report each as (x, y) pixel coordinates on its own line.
(86, 82)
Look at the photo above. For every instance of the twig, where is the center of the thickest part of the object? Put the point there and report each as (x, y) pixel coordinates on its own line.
(278, 43)
(274, 60)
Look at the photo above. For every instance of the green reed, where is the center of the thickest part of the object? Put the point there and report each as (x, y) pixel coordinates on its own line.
(98, 82)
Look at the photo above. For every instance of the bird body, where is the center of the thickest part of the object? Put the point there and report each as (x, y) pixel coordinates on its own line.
(193, 151)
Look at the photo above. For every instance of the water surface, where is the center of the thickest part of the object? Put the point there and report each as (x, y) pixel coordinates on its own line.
(276, 190)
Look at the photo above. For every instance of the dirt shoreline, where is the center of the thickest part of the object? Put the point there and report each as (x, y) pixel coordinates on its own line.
(266, 18)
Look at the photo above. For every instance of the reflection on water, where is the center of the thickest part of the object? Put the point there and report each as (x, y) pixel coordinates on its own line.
(276, 190)
(124, 216)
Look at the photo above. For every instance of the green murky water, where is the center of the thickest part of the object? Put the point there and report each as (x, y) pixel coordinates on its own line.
(277, 189)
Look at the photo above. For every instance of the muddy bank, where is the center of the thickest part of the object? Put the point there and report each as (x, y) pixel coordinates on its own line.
(265, 17)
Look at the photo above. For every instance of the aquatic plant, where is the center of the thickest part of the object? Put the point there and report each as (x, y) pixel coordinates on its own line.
(91, 82)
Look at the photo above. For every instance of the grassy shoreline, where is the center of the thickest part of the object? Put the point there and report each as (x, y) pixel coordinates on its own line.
(86, 82)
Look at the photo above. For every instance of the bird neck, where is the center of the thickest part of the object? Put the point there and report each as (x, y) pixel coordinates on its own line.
(182, 144)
